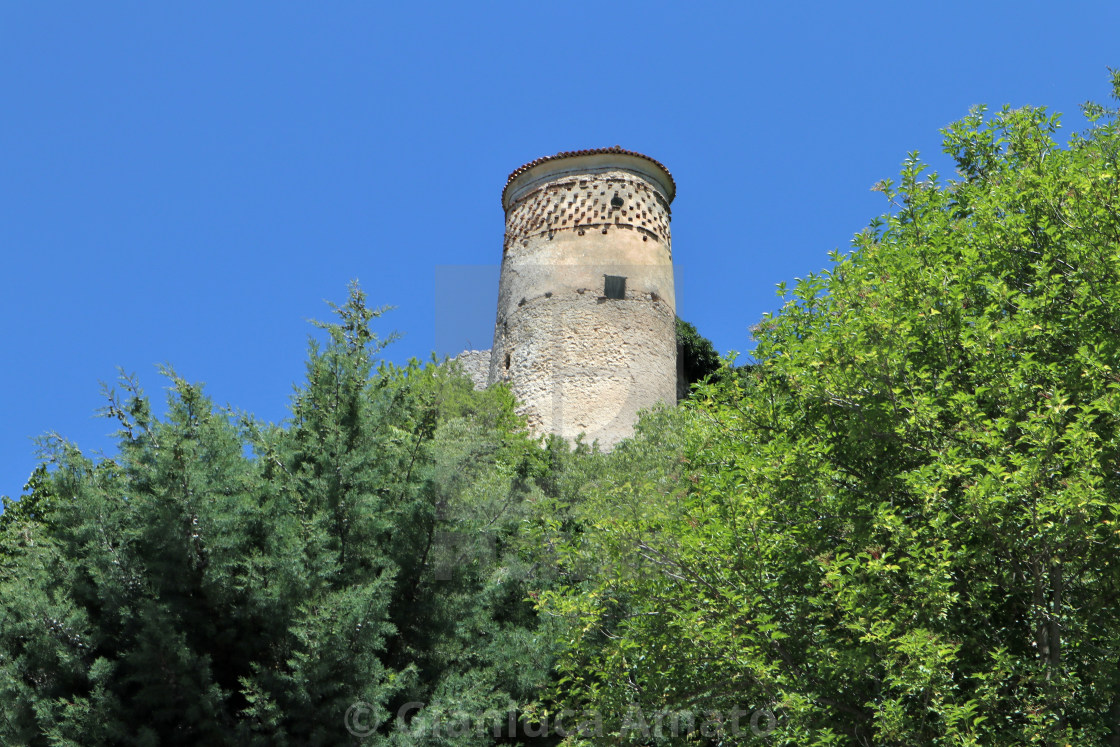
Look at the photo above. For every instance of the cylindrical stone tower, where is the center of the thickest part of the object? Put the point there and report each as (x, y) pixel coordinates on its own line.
(586, 324)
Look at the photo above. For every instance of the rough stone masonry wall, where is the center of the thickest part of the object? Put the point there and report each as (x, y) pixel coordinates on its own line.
(476, 365)
(578, 361)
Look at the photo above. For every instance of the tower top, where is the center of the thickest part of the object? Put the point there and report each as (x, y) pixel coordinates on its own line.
(582, 160)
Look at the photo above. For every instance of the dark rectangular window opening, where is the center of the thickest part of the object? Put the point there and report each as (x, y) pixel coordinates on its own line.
(614, 286)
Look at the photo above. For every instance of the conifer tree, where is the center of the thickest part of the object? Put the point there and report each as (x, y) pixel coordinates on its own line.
(223, 581)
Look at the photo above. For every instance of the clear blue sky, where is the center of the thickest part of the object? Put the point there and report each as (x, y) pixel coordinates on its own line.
(187, 183)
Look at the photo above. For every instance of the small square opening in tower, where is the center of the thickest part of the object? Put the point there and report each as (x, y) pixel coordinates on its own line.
(614, 286)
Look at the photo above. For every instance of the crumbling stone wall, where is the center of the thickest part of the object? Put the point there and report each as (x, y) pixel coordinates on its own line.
(476, 365)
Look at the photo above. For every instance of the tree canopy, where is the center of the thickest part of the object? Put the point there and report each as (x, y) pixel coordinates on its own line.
(900, 528)
(224, 581)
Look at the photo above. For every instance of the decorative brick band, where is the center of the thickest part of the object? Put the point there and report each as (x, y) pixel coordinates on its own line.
(599, 203)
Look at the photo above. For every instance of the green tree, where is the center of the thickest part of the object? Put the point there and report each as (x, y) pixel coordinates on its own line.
(223, 581)
(33, 505)
(900, 528)
(698, 357)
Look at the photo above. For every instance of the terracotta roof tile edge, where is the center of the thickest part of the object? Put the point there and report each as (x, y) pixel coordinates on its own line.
(590, 152)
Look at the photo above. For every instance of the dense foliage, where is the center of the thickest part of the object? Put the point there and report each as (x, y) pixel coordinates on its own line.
(221, 581)
(901, 528)
(897, 527)
(697, 358)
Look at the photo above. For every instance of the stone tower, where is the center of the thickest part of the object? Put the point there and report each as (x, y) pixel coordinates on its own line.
(586, 324)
